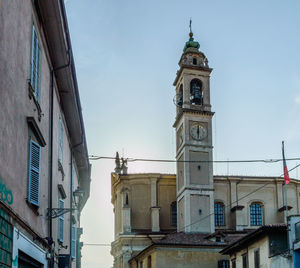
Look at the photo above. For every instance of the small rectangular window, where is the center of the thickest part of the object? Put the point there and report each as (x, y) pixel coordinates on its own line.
(245, 260)
(256, 258)
(233, 263)
(223, 264)
(149, 262)
(61, 221)
(60, 140)
(34, 173)
(73, 243)
(35, 65)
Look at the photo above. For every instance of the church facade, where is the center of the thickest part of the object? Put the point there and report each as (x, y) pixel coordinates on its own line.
(187, 218)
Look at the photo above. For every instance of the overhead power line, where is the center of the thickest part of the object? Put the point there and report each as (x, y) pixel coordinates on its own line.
(230, 204)
(94, 157)
(226, 206)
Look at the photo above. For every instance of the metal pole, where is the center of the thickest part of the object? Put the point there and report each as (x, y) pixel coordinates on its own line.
(286, 202)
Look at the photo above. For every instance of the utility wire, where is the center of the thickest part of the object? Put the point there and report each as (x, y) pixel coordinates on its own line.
(228, 205)
(94, 157)
(97, 244)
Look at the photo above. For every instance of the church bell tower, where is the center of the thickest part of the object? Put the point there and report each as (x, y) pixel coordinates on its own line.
(194, 179)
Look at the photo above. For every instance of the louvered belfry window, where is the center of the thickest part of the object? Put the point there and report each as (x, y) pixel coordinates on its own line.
(35, 64)
(34, 173)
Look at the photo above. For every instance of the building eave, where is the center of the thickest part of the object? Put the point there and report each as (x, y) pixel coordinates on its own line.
(60, 51)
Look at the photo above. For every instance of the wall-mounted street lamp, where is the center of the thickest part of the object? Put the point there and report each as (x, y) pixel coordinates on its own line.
(78, 194)
(56, 212)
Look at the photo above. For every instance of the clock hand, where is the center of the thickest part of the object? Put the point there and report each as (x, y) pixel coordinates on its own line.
(198, 132)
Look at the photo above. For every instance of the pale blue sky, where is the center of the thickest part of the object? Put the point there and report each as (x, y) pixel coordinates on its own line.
(126, 55)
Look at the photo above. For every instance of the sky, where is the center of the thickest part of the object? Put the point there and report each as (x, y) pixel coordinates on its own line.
(126, 55)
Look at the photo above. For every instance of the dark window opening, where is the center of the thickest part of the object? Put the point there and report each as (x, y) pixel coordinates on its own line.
(223, 264)
(255, 214)
(233, 263)
(149, 262)
(180, 96)
(194, 61)
(256, 259)
(219, 214)
(126, 200)
(245, 260)
(196, 92)
(174, 214)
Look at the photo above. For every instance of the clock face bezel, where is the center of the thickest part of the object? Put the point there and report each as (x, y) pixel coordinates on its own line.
(201, 135)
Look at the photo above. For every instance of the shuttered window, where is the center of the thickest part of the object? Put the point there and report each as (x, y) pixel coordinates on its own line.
(61, 222)
(73, 243)
(35, 64)
(34, 173)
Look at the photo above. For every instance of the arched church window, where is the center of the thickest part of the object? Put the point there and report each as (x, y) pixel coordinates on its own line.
(219, 214)
(194, 61)
(196, 92)
(180, 96)
(255, 214)
(174, 214)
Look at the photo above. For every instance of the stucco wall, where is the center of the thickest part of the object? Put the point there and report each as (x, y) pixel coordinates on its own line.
(16, 20)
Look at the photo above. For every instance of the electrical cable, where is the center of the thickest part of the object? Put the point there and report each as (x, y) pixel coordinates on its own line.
(228, 205)
(94, 157)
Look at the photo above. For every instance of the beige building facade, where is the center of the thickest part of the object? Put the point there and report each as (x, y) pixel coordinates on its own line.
(44, 167)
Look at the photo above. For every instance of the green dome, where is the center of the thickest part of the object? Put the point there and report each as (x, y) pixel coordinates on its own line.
(191, 43)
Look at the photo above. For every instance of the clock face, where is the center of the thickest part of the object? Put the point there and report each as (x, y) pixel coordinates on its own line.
(198, 132)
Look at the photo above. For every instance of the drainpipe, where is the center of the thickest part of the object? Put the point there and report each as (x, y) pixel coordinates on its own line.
(50, 241)
(52, 89)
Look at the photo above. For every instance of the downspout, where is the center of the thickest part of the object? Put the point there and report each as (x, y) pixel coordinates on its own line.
(71, 205)
(50, 241)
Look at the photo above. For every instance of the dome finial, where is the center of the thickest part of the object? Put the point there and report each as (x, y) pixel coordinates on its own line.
(191, 33)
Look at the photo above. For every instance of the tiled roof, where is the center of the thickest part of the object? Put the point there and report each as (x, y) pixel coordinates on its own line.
(245, 240)
(198, 239)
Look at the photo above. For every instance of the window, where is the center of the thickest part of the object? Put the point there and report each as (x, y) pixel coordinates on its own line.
(233, 263)
(196, 92)
(219, 214)
(180, 96)
(174, 214)
(34, 173)
(73, 243)
(149, 265)
(60, 140)
(223, 264)
(194, 61)
(297, 231)
(256, 258)
(245, 260)
(35, 65)
(61, 222)
(255, 214)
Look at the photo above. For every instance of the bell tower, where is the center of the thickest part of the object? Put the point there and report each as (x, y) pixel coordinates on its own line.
(194, 179)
